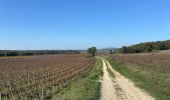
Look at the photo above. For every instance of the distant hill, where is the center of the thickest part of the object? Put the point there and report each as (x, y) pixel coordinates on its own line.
(103, 50)
(107, 50)
(146, 47)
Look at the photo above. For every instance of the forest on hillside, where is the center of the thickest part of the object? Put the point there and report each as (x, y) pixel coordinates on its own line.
(146, 47)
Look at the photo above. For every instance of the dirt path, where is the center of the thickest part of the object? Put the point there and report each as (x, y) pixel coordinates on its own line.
(107, 89)
(122, 88)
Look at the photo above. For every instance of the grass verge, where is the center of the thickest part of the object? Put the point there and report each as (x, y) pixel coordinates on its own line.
(150, 85)
(85, 88)
(110, 72)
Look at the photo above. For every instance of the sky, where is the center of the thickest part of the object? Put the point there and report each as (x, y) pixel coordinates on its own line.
(80, 24)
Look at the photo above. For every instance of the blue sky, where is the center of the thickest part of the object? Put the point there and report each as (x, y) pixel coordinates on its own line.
(79, 24)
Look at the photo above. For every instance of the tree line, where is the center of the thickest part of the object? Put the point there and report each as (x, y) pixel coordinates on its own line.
(35, 52)
(146, 47)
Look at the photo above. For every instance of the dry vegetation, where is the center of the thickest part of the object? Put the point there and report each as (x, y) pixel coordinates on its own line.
(40, 76)
(151, 71)
(147, 61)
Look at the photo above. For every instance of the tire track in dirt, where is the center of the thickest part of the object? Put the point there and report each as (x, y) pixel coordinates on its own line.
(107, 89)
(119, 87)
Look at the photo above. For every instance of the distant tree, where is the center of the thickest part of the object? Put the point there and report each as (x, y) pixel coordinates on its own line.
(1, 54)
(162, 46)
(148, 47)
(110, 51)
(27, 53)
(92, 51)
(124, 49)
(12, 54)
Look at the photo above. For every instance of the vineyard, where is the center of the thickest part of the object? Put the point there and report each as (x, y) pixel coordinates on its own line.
(40, 76)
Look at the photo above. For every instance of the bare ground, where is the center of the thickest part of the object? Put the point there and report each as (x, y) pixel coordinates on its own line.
(120, 88)
(107, 89)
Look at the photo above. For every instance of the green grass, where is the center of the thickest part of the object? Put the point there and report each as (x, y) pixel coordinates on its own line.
(111, 73)
(153, 85)
(85, 88)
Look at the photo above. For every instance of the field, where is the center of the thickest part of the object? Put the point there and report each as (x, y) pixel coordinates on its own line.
(85, 88)
(150, 71)
(40, 76)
